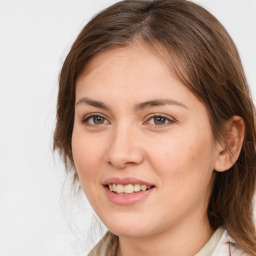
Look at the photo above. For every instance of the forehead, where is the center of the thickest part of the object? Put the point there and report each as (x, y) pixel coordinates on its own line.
(125, 77)
(148, 53)
(124, 67)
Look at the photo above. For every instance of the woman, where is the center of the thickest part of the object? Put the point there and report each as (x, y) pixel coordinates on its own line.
(155, 117)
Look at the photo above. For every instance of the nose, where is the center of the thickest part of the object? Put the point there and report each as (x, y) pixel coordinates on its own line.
(124, 148)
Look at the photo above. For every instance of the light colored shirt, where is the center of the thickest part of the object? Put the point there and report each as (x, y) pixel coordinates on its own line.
(211, 245)
(220, 244)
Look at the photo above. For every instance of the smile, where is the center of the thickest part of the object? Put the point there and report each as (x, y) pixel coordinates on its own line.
(128, 189)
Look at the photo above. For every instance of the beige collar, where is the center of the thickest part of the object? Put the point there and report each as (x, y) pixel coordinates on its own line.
(210, 246)
(107, 246)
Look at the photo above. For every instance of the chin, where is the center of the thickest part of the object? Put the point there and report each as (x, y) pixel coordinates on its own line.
(129, 232)
(129, 227)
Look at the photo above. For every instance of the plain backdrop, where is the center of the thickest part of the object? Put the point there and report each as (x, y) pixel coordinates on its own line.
(38, 215)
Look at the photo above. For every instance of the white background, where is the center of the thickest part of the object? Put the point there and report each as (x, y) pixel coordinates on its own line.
(36, 211)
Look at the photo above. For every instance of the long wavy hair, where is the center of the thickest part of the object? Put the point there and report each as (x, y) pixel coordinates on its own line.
(205, 59)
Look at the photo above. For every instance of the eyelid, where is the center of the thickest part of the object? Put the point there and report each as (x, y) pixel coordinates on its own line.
(167, 117)
(85, 118)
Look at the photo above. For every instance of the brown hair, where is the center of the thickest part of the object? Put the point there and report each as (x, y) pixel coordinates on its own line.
(205, 59)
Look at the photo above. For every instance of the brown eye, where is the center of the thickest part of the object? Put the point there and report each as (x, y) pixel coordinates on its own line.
(98, 120)
(159, 120)
(95, 120)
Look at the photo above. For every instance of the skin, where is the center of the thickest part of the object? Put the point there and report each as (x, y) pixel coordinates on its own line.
(178, 155)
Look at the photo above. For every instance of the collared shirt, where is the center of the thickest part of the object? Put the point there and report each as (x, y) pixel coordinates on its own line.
(220, 244)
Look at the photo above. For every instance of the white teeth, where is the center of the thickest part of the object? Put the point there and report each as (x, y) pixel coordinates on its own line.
(127, 189)
(119, 188)
(110, 186)
(136, 188)
(143, 187)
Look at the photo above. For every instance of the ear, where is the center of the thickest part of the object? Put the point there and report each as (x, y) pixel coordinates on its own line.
(228, 151)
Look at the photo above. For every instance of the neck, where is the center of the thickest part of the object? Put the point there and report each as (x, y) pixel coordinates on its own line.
(184, 240)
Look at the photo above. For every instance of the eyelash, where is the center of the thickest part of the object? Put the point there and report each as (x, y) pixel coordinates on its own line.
(167, 120)
(86, 119)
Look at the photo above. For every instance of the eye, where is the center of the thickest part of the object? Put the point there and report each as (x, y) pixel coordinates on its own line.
(94, 120)
(159, 120)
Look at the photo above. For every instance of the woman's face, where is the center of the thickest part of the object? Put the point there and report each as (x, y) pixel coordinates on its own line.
(137, 127)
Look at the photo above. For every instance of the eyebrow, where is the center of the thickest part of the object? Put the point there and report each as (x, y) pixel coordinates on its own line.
(139, 106)
(159, 102)
(93, 103)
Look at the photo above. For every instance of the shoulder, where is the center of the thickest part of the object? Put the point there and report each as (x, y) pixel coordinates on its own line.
(227, 246)
(106, 246)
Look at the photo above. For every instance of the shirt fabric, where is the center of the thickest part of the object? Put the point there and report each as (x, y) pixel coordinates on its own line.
(220, 244)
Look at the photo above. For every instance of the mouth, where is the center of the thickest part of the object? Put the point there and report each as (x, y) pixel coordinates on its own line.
(128, 189)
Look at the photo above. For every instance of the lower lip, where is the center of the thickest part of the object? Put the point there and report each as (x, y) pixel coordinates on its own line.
(127, 199)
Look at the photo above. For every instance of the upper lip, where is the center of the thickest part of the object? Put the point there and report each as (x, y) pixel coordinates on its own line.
(125, 181)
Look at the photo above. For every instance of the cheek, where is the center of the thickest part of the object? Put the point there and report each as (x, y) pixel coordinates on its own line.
(183, 159)
(87, 157)
(185, 173)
